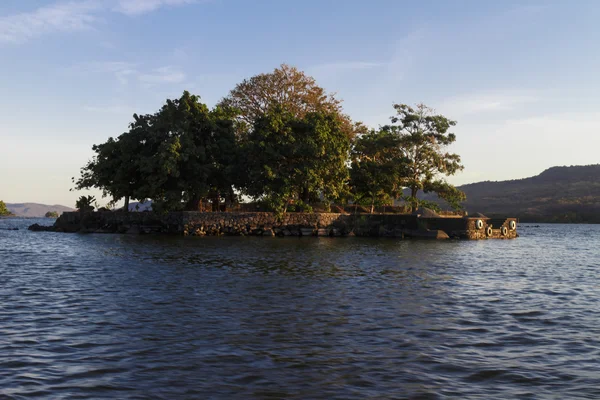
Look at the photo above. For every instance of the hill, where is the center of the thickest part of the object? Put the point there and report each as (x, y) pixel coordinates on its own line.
(34, 209)
(559, 194)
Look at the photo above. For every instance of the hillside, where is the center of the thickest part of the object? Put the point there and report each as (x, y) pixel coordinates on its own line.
(34, 209)
(559, 194)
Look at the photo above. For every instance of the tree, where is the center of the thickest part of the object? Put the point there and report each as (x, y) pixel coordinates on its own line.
(4, 212)
(378, 166)
(85, 203)
(187, 152)
(176, 157)
(113, 169)
(423, 138)
(287, 89)
(51, 214)
(292, 159)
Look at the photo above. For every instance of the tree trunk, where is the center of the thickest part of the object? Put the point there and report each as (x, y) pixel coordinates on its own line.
(372, 204)
(216, 201)
(229, 199)
(414, 200)
(126, 207)
(305, 195)
(193, 204)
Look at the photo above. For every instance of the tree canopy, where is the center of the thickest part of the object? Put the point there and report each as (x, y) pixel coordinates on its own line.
(423, 138)
(377, 169)
(176, 157)
(286, 89)
(278, 138)
(296, 159)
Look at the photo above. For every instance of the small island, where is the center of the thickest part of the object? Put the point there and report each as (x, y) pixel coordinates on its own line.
(284, 143)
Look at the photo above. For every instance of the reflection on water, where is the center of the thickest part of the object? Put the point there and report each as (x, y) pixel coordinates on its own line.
(169, 317)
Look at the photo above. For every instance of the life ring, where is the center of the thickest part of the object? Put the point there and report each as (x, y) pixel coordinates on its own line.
(479, 224)
(513, 225)
(489, 231)
(504, 231)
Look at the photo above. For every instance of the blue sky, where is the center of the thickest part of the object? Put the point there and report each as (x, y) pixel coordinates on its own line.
(519, 77)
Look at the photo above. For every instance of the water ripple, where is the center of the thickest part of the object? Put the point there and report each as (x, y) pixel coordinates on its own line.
(135, 317)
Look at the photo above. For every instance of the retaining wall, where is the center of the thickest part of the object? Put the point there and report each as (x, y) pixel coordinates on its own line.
(290, 224)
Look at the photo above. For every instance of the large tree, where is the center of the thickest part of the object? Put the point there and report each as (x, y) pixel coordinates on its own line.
(378, 166)
(287, 89)
(423, 138)
(296, 159)
(177, 157)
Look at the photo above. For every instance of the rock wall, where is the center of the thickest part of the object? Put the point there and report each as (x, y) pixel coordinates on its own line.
(291, 224)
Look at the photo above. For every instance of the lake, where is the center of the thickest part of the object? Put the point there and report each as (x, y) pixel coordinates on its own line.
(131, 317)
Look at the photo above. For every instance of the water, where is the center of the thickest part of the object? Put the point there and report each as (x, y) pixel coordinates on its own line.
(131, 317)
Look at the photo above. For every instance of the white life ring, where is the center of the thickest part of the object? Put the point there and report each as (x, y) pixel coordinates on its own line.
(513, 225)
(479, 224)
(489, 231)
(504, 231)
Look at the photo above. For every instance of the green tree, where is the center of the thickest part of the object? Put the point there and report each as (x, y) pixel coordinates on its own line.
(292, 159)
(4, 212)
(378, 166)
(114, 168)
(187, 154)
(423, 139)
(177, 156)
(51, 214)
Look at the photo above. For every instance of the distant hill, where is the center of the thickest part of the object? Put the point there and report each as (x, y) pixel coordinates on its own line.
(559, 194)
(34, 209)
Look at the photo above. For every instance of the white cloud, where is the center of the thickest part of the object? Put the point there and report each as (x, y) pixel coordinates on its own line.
(72, 16)
(167, 74)
(485, 102)
(59, 17)
(122, 71)
(136, 7)
(338, 67)
(126, 72)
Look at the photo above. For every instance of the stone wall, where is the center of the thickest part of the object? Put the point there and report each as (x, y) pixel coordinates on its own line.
(291, 224)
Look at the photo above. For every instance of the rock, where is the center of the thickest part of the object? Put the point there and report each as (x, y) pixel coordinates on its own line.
(306, 231)
(40, 228)
(425, 212)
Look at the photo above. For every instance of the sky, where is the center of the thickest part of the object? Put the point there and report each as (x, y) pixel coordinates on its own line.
(519, 77)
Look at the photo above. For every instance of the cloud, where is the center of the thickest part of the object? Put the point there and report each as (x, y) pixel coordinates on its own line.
(59, 17)
(338, 67)
(136, 7)
(126, 72)
(122, 71)
(486, 102)
(72, 16)
(167, 74)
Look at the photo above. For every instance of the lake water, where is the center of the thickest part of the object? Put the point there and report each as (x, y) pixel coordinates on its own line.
(131, 317)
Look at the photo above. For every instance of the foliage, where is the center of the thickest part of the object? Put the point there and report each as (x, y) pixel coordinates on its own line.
(278, 138)
(177, 157)
(51, 214)
(4, 212)
(85, 203)
(287, 89)
(423, 138)
(290, 159)
(377, 168)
